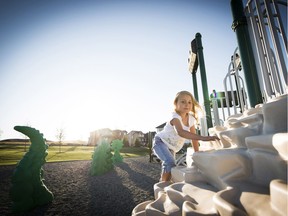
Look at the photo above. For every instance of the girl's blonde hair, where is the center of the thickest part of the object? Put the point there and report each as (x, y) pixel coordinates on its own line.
(195, 105)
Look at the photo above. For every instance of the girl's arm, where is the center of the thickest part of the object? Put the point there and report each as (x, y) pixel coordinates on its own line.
(188, 135)
(194, 142)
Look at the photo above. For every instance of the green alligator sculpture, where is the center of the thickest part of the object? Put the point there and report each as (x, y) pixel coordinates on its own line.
(102, 159)
(28, 189)
(116, 147)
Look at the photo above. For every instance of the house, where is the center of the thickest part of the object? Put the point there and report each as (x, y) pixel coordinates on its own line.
(106, 134)
(160, 127)
(98, 135)
(119, 134)
(136, 138)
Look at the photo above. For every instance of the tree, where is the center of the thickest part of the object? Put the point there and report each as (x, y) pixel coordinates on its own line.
(60, 135)
(137, 143)
(125, 141)
(26, 139)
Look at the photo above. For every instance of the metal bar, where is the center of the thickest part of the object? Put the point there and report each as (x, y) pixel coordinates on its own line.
(244, 93)
(259, 49)
(226, 91)
(203, 79)
(278, 51)
(267, 47)
(281, 27)
(195, 87)
(237, 82)
(232, 93)
(223, 113)
(215, 111)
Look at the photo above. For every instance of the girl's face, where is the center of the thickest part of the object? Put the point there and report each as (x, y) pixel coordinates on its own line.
(184, 104)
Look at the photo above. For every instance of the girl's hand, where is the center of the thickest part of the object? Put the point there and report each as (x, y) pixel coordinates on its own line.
(211, 138)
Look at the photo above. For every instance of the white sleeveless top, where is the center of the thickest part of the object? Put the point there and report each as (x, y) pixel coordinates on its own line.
(169, 134)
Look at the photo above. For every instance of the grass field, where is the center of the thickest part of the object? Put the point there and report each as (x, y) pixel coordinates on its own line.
(13, 153)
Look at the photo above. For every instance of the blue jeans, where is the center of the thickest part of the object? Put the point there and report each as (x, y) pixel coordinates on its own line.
(162, 151)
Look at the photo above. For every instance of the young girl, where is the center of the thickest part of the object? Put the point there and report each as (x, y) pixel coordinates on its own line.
(181, 126)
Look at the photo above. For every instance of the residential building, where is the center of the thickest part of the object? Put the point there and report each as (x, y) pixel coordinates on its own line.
(106, 134)
(136, 138)
(160, 127)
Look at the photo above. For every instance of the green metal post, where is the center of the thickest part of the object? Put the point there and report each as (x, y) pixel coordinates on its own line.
(150, 146)
(203, 79)
(195, 87)
(245, 48)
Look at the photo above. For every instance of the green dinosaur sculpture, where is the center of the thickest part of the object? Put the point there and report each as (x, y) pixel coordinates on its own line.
(28, 189)
(116, 146)
(102, 159)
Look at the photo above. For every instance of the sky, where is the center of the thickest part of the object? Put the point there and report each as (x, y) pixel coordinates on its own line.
(82, 65)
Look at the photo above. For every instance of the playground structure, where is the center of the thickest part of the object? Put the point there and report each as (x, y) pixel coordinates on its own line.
(245, 173)
(28, 189)
(102, 159)
(116, 146)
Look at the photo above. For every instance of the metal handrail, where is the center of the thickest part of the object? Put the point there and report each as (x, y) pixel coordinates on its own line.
(270, 44)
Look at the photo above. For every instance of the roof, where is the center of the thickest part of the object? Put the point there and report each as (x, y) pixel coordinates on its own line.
(161, 126)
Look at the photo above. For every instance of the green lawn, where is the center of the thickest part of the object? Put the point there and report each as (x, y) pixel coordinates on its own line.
(13, 153)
